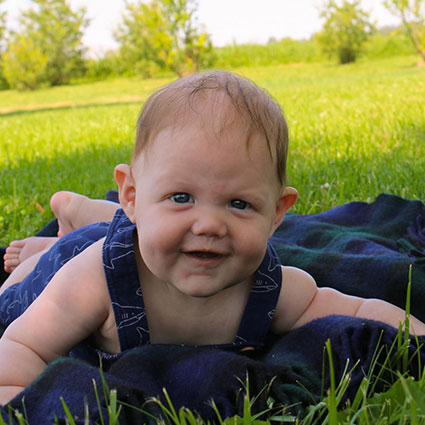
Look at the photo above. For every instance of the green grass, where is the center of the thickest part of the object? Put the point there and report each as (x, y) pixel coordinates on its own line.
(356, 131)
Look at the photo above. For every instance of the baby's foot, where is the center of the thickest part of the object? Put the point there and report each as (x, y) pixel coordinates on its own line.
(66, 207)
(20, 250)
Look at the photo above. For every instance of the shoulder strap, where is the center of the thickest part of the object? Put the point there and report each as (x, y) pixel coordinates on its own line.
(119, 264)
(262, 301)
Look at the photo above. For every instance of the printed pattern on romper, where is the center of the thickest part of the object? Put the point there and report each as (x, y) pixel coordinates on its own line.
(120, 268)
(262, 301)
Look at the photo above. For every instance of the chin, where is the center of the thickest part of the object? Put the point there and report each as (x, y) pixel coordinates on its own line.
(204, 296)
(199, 292)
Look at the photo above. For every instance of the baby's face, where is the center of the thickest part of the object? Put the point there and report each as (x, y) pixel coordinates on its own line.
(206, 205)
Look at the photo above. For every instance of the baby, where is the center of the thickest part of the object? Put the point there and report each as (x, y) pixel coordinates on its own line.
(186, 260)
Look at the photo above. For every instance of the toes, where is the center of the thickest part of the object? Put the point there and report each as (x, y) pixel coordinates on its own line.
(11, 256)
(13, 251)
(17, 244)
(10, 263)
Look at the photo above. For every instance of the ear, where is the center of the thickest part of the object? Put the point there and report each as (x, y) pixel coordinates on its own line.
(288, 198)
(126, 190)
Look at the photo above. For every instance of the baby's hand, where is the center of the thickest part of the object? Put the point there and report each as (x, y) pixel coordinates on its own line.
(19, 364)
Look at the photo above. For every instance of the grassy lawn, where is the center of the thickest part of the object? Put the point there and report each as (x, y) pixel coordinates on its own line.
(356, 131)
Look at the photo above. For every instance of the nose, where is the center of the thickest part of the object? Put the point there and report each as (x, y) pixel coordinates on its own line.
(209, 223)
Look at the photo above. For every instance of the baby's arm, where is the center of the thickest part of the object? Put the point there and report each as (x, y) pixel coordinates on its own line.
(301, 301)
(74, 304)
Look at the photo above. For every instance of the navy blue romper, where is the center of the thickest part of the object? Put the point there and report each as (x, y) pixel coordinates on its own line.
(122, 278)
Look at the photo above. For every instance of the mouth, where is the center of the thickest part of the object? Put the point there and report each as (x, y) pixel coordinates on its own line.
(207, 255)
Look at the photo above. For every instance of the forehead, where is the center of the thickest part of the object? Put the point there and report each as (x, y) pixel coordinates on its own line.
(200, 152)
(201, 134)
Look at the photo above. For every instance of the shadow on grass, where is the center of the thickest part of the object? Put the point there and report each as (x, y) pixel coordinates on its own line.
(27, 186)
(68, 107)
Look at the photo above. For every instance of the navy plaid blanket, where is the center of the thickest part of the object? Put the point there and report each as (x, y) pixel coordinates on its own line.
(358, 248)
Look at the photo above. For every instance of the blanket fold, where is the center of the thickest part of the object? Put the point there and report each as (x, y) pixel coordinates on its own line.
(359, 248)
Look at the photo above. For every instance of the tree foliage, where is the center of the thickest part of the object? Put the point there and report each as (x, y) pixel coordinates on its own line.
(3, 83)
(346, 29)
(412, 14)
(51, 34)
(58, 31)
(24, 63)
(163, 34)
(2, 27)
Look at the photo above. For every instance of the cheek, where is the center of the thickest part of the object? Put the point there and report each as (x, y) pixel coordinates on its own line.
(252, 243)
(158, 234)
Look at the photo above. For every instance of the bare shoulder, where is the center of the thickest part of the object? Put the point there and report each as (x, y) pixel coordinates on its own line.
(80, 284)
(298, 291)
(88, 263)
(72, 306)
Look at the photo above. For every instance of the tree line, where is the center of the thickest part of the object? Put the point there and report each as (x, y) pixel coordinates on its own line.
(162, 36)
(347, 27)
(48, 48)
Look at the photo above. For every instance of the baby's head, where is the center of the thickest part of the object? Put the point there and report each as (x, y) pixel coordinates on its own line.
(206, 184)
(220, 100)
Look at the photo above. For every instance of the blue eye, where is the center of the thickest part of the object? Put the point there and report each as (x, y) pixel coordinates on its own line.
(181, 198)
(239, 204)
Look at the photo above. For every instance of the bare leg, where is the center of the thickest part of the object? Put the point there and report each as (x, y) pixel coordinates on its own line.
(72, 211)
